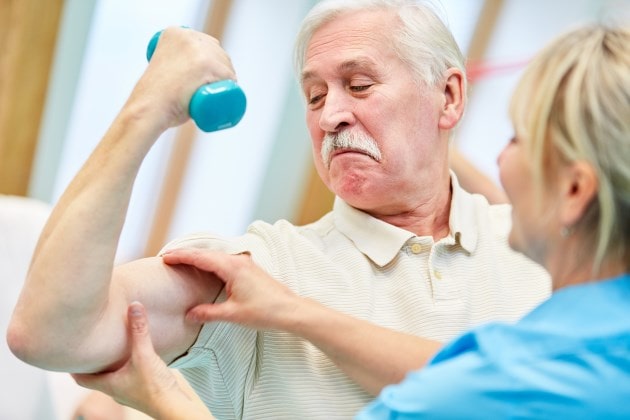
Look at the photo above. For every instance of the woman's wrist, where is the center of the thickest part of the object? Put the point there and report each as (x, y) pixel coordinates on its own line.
(180, 405)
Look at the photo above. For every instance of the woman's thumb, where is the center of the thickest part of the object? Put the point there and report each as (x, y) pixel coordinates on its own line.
(139, 328)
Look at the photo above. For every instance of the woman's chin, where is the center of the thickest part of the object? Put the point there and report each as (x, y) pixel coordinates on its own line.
(515, 243)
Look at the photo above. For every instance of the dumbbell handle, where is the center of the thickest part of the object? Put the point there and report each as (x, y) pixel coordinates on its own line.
(214, 106)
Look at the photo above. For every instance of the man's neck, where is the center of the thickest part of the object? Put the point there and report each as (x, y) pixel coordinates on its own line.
(428, 218)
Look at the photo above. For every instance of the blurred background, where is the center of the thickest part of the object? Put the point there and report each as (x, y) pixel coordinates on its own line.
(67, 67)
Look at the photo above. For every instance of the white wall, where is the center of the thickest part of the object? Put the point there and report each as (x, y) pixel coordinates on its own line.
(523, 28)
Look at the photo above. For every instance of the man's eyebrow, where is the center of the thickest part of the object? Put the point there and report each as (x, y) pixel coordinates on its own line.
(346, 66)
(357, 63)
(307, 75)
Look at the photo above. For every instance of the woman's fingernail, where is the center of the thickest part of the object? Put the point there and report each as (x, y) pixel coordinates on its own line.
(136, 308)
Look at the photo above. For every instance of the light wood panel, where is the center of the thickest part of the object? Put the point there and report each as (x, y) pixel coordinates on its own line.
(28, 32)
(318, 199)
(484, 28)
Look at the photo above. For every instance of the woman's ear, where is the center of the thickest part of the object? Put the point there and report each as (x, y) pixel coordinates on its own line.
(579, 185)
(454, 99)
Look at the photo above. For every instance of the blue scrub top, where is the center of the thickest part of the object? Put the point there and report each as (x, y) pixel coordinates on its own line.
(568, 358)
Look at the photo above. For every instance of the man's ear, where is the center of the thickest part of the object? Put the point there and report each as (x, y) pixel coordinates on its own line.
(578, 187)
(454, 99)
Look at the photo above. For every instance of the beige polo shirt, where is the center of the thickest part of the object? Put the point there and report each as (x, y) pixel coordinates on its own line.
(364, 267)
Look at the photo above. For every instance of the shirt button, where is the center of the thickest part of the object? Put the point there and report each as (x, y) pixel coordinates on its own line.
(416, 248)
(437, 274)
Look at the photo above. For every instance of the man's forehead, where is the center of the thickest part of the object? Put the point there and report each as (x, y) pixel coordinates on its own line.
(358, 63)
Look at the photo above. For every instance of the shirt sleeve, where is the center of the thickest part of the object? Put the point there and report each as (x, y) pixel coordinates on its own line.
(222, 363)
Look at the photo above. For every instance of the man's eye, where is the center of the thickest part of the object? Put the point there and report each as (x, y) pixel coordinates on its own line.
(315, 99)
(360, 88)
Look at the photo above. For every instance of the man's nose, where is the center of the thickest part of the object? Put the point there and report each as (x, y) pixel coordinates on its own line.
(336, 113)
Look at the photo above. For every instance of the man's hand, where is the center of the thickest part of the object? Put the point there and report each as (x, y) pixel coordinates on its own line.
(254, 298)
(184, 60)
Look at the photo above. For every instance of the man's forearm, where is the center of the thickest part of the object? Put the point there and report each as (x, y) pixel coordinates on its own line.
(68, 287)
(70, 315)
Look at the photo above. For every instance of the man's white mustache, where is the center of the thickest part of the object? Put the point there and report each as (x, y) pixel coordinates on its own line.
(347, 139)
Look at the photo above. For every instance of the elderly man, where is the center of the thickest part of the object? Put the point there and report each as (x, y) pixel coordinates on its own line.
(404, 247)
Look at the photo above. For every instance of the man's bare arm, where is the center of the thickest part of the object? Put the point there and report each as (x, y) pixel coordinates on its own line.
(70, 315)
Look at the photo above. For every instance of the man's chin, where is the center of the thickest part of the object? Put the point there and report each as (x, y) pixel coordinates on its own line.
(354, 195)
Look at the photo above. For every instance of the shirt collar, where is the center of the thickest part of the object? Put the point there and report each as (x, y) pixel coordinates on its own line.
(375, 238)
(462, 218)
(381, 241)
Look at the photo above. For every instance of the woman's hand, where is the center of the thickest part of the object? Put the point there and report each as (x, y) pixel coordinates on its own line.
(254, 298)
(144, 382)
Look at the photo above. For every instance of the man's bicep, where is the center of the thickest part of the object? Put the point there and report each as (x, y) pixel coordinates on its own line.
(167, 292)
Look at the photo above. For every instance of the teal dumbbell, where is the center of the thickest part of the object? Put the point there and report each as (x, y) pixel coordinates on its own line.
(214, 106)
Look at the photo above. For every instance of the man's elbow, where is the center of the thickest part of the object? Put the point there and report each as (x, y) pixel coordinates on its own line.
(33, 347)
(23, 345)
(55, 355)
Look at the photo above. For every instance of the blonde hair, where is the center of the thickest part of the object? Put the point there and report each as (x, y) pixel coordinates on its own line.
(573, 104)
(422, 40)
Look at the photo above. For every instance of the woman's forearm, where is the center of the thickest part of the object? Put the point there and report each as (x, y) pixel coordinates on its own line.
(371, 355)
